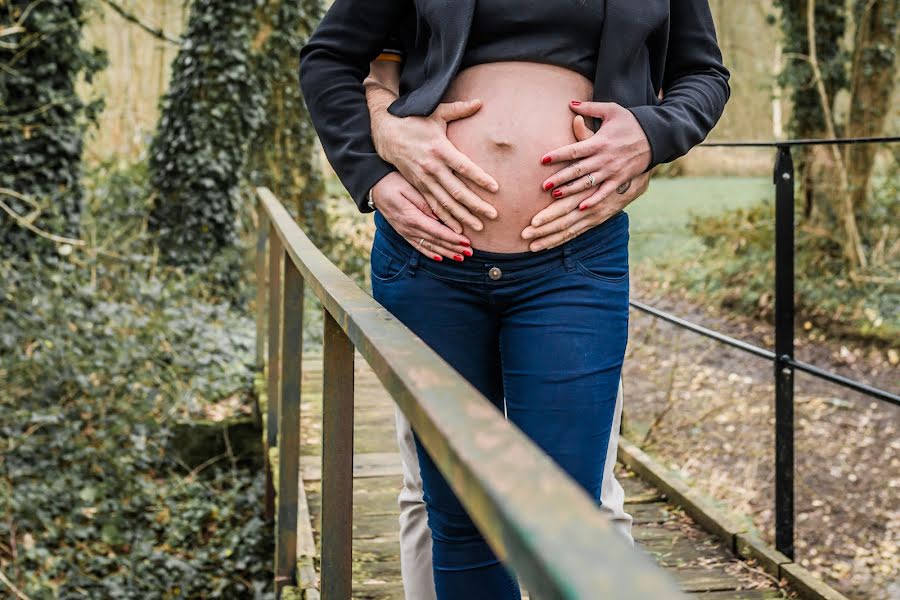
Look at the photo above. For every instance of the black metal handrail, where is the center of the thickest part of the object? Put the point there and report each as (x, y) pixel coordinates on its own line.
(783, 356)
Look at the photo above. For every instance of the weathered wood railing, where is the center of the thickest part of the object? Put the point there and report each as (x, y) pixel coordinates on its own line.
(532, 514)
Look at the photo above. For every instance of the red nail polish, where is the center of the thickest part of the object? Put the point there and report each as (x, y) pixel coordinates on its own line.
(457, 258)
(548, 186)
(467, 252)
(576, 103)
(546, 160)
(557, 193)
(438, 258)
(464, 243)
(582, 208)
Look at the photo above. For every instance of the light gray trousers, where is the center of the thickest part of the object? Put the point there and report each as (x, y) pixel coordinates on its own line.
(415, 536)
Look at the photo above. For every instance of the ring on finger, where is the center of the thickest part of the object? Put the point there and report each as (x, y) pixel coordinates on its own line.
(421, 241)
(592, 180)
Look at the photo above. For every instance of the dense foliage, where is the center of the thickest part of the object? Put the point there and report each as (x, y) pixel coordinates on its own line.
(100, 355)
(42, 119)
(209, 114)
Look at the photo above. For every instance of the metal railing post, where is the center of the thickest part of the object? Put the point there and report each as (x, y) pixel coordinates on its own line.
(289, 427)
(337, 463)
(274, 370)
(784, 351)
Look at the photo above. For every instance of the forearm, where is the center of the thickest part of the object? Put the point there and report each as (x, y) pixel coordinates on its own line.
(333, 66)
(382, 88)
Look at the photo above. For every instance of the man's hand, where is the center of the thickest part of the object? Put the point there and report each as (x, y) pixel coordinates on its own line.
(611, 158)
(419, 148)
(406, 210)
(565, 219)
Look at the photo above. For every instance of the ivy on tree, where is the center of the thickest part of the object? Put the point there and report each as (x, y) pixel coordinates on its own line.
(211, 110)
(42, 119)
(284, 156)
(233, 113)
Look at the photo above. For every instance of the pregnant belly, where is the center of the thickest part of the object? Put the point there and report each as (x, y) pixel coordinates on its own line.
(525, 113)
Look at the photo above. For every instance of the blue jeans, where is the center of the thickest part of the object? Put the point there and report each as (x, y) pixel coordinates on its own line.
(541, 335)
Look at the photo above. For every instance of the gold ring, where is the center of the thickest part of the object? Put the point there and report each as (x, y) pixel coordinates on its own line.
(422, 241)
(591, 179)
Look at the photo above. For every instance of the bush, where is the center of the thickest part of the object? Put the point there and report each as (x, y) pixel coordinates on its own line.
(100, 355)
(738, 271)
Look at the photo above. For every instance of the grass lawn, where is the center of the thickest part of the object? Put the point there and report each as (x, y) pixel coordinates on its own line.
(659, 219)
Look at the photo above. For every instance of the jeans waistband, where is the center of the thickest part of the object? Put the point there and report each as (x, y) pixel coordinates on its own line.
(514, 264)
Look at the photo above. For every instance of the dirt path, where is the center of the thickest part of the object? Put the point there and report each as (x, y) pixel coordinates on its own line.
(707, 411)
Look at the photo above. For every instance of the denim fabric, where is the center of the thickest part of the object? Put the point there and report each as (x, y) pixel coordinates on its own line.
(544, 341)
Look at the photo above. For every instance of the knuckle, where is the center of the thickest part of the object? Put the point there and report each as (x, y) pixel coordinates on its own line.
(456, 194)
(574, 153)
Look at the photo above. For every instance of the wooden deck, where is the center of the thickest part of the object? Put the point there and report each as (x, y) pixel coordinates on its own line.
(701, 565)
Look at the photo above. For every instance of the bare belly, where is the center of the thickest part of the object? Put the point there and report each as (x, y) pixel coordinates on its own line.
(525, 113)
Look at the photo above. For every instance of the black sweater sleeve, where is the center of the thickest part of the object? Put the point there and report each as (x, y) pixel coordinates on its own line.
(333, 64)
(695, 85)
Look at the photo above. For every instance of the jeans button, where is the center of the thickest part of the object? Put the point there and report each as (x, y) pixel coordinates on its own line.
(495, 273)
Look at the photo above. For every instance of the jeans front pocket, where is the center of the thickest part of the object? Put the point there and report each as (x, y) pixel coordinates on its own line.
(387, 264)
(609, 265)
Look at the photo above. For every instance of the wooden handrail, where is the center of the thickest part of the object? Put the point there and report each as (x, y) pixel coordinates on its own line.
(533, 515)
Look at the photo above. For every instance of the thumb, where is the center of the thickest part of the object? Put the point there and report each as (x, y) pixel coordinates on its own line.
(594, 109)
(452, 111)
(582, 131)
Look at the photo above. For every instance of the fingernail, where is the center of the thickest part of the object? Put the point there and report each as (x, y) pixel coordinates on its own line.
(546, 160)
(464, 243)
(467, 252)
(457, 258)
(557, 193)
(526, 235)
(548, 185)
(576, 103)
(536, 248)
(437, 258)
(582, 208)
(494, 187)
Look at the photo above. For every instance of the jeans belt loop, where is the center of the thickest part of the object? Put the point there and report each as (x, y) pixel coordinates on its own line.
(567, 257)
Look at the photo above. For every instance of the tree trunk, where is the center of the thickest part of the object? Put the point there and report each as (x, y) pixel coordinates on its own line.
(872, 86)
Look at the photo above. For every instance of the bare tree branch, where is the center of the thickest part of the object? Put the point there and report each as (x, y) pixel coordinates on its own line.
(156, 32)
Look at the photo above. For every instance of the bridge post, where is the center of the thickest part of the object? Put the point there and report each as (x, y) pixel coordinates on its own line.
(289, 427)
(276, 253)
(784, 351)
(337, 463)
(262, 235)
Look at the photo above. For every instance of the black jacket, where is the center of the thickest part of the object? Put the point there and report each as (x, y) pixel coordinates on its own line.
(645, 46)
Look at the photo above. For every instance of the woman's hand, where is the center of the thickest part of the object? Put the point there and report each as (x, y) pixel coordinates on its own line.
(564, 219)
(419, 148)
(408, 212)
(610, 158)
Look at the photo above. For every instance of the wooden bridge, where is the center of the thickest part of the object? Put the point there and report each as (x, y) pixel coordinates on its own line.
(335, 474)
